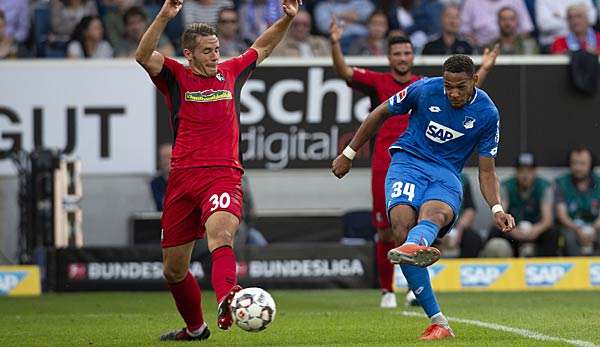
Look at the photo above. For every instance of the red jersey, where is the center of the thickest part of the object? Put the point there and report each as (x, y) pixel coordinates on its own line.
(561, 45)
(205, 111)
(380, 86)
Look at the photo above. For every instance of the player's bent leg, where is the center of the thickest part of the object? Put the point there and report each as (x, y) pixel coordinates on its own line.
(186, 293)
(220, 230)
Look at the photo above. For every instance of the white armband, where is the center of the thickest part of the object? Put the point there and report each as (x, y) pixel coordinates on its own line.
(349, 152)
(497, 208)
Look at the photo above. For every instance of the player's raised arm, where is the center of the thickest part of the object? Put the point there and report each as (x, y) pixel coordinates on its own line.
(487, 63)
(145, 54)
(342, 164)
(490, 189)
(339, 63)
(271, 37)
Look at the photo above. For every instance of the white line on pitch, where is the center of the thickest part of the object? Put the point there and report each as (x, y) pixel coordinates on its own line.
(523, 332)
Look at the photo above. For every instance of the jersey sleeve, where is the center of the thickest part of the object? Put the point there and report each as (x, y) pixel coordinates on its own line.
(488, 144)
(243, 64)
(406, 99)
(363, 79)
(167, 76)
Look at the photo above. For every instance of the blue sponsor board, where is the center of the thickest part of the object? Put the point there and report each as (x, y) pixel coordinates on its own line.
(433, 270)
(595, 274)
(10, 280)
(481, 276)
(546, 275)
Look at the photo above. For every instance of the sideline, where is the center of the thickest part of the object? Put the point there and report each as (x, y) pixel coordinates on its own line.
(523, 332)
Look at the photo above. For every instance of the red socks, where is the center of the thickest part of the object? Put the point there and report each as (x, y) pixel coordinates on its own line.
(223, 275)
(385, 269)
(187, 298)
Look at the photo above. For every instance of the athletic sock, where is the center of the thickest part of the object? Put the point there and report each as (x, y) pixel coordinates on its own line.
(440, 319)
(419, 283)
(423, 233)
(188, 301)
(385, 269)
(418, 280)
(223, 275)
(196, 332)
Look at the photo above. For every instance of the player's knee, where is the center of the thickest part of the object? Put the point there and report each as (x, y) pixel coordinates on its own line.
(174, 272)
(401, 228)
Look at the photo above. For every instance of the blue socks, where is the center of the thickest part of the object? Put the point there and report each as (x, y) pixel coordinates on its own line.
(418, 280)
(423, 233)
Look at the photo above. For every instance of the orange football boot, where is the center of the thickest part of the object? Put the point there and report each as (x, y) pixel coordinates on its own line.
(436, 332)
(421, 256)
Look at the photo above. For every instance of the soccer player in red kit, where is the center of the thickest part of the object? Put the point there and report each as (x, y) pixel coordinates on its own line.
(380, 86)
(204, 193)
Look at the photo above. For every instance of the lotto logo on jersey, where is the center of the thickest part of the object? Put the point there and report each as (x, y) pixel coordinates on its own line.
(208, 95)
(9, 280)
(545, 274)
(480, 275)
(595, 274)
(440, 133)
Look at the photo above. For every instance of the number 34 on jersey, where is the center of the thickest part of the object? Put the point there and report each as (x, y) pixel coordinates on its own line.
(401, 188)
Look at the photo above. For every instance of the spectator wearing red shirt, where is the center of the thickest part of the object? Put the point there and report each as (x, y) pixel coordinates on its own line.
(580, 36)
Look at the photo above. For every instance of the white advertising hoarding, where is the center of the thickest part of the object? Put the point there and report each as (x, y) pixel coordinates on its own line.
(101, 112)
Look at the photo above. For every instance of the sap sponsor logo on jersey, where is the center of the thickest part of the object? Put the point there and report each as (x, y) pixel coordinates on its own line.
(9, 280)
(139, 270)
(595, 274)
(434, 109)
(546, 274)
(209, 95)
(433, 270)
(481, 275)
(440, 133)
(305, 268)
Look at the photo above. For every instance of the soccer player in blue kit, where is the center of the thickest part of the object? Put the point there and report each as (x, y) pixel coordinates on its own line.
(449, 117)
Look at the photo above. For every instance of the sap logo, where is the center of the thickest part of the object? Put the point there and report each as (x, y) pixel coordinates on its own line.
(9, 280)
(434, 109)
(433, 270)
(545, 274)
(480, 275)
(441, 134)
(595, 274)
(494, 151)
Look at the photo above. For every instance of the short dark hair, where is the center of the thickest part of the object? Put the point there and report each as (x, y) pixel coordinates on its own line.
(226, 9)
(188, 38)
(460, 63)
(396, 39)
(134, 11)
(580, 149)
(508, 8)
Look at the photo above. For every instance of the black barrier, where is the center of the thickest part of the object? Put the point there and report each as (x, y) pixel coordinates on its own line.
(328, 265)
(300, 117)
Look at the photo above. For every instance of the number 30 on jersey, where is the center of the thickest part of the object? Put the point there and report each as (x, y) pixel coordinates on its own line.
(222, 201)
(400, 188)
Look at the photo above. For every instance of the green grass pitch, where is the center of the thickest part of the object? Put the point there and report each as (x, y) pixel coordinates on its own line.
(304, 318)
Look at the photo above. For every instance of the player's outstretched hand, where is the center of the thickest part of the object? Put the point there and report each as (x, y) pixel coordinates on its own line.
(335, 31)
(290, 7)
(340, 166)
(170, 8)
(504, 221)
(489, 57)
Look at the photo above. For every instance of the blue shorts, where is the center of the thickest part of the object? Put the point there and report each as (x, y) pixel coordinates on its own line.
(413, 181)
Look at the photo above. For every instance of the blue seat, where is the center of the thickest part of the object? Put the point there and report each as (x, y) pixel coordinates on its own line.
(357, 227)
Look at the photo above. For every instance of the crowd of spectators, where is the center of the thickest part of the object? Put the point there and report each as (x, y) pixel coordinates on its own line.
(560, 217)
(112, 28)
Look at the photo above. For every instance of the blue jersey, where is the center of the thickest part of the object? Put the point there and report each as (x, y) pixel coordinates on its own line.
(443, 134)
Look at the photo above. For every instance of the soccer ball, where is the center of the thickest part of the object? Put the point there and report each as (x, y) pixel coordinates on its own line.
(253, 309)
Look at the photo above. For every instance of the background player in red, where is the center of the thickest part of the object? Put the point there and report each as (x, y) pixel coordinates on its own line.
(380, 86)
(204, 193)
